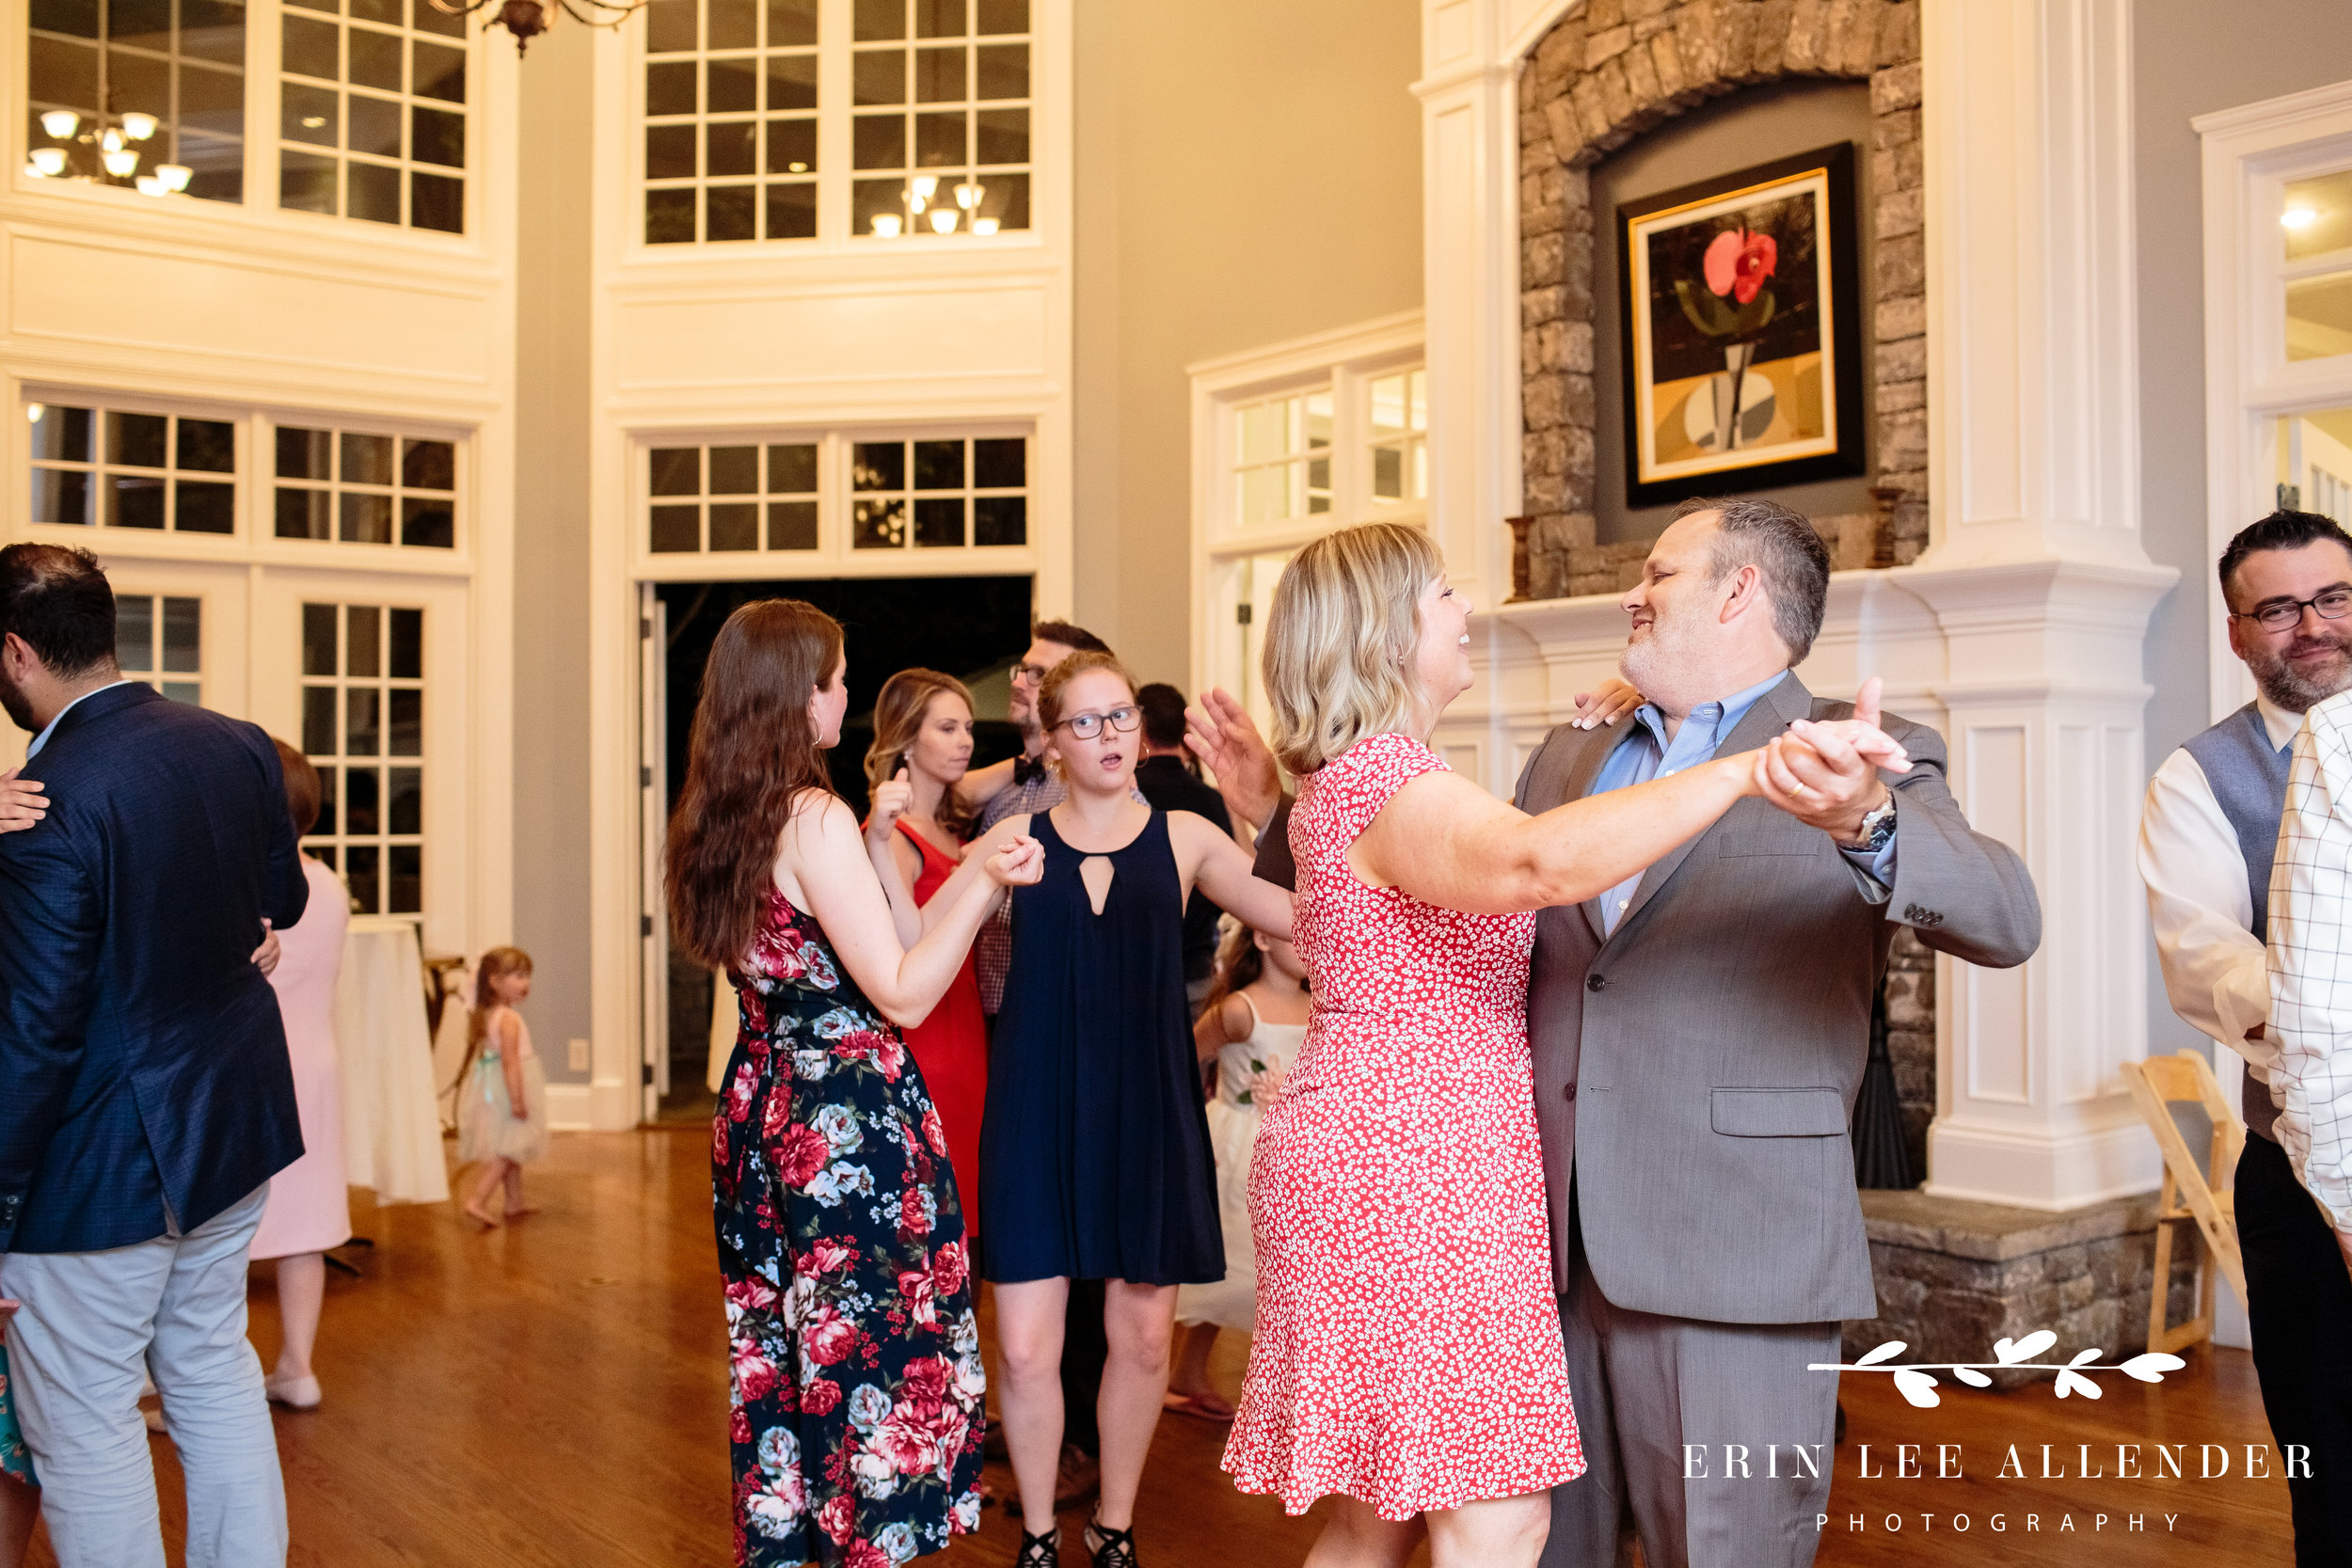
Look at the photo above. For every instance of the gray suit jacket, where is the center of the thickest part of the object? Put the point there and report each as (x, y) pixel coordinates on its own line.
(1695, 1069)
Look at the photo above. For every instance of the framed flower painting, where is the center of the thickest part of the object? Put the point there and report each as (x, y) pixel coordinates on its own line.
(1742, 331)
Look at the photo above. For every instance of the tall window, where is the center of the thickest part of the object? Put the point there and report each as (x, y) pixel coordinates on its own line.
(941, 128)
(117, 468)
(179, 63)
(929, 495)
(159, 638)
(1352, 446)
(729, 498)
(372, 112)
(366, 489)
(730, 120)
(363, 727)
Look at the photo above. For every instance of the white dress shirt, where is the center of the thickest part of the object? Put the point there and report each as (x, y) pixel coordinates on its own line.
(2201, 907)
(2311, 962)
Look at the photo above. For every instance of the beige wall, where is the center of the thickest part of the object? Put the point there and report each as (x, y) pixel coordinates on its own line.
(552, 654)
(1247, 172)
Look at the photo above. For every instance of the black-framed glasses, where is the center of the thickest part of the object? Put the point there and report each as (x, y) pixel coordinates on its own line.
(2278, 615)
(1032, 673)
(1085, 726)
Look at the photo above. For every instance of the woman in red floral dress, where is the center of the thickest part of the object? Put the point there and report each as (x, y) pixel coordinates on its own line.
(1408, 1354)
(856, 1367)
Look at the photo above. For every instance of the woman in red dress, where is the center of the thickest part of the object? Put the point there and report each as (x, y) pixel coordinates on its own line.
(922, 747)
(1408, 1354)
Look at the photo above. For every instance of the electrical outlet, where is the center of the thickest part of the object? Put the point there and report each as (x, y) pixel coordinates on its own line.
(578, 1056)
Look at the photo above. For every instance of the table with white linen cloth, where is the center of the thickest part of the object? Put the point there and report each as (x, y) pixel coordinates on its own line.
(392, 1117)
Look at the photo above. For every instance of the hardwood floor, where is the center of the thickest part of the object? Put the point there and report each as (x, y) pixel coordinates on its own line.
(554, 1393)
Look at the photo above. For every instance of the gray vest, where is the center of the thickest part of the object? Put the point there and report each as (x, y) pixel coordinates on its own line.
(2250, 781)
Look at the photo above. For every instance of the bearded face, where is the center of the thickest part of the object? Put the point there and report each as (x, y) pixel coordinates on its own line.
(2311, 660)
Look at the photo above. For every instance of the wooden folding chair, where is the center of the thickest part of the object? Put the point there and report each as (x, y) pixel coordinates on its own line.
(2187, 1196)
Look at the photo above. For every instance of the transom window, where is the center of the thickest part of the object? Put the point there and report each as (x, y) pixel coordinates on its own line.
(1351, 446)
(927, 495)
(363, 728)
(2315, 217)
(159, 639)
(1285, 468)
(939, 140)
(734, 498)
(120, 468)
(730, 120)
(371, 111)
(363, 488)
(173, 69)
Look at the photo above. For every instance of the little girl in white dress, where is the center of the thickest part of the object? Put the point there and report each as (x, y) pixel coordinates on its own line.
(1253, 1024)
(502, 1090)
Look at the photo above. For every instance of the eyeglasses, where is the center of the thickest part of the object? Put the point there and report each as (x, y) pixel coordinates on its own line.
(1029, 674)
(1085, 726)
(2334, 605)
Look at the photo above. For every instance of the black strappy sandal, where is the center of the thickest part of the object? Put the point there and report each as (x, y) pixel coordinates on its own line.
(1040, 1551)
(1112, 1548)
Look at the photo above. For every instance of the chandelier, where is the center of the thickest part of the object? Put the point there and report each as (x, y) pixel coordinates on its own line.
(926, 210)
(528, 18)
(101, 152)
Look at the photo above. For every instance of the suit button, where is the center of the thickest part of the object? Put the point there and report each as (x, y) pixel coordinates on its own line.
(1597, 982)
(1569, 1093)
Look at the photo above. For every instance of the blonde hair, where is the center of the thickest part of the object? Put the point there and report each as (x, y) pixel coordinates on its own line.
(899, 714)
(1057, 679)
(1341, 638)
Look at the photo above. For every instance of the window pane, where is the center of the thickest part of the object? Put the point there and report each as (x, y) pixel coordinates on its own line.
(669, 215)
(134, 502)
(404, 887)
(669, 27)
(939, 76)
(359, 876)
(939, 140)
(425, 18)
(1000, 465)
(676, 529)
(1003, 70)
(731, 85)
(362, 653)
(135, 632)
(735, 526)
(2319, 316)
(204, 507)
(2316, 214)
(936, 19)
(318, 733)
(677, 471)
(878, 77)
(670, 152)
(428, 465)
(791, 21)
(793, 469)
(135, 439)
(734, 25)
(190, 692)
(302, 515)
(939, 464)
(310, 48)
(404, 735)
(305, 182)
(792, 146)
(65, 73)
(792, 82)
(1004, 138)
(363, 724)
(1000, 520)
(374, 125)
(183, 636)
(308, 113)
(78, 17)
(879, 525)
(2315, 462)
(731, 146)
(878, 466)
(669, 88)
(427, 522)
(404, 808)
(1007, 201)
(1002, 16)
(729, 212)
(60, 496)
(408, 644)
(878, 141)
(318, 647)
(437, 137)
(939, 522)
(792, 211)
(791, 525)
(371, 191)
(62, 435)
(373, 59)
(365, 519)
(879, 19)
(438, 71)
(734, 471)
(366, 459)
(303, 454)
(1387, 473)
(871, 200)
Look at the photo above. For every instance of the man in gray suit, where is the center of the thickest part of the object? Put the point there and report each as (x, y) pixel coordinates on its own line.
(1699, 1033)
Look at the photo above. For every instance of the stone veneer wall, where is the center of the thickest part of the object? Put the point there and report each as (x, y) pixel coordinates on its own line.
(1601, 78)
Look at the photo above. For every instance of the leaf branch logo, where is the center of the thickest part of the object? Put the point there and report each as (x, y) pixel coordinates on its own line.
(1913, 1382)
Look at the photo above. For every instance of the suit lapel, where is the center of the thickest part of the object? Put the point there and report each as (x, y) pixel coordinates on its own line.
(1766, 717)
(1582, 772)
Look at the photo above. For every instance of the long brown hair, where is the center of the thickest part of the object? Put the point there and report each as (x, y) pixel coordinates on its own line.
(1240, 964)
(752, 753)
(899, 714)
(492, 967)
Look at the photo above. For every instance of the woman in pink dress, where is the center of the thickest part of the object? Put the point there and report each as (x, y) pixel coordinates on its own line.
(309, 1205)
(1408, 1354)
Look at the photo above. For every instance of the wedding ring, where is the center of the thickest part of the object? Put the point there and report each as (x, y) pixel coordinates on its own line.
(1801, 790)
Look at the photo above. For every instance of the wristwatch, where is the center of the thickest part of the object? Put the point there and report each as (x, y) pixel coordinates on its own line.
(1878, 829)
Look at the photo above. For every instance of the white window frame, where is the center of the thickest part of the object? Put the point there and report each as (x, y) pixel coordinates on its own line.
(2251, 153)
(1347, 361)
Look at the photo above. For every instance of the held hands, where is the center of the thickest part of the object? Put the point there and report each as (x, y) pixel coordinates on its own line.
(1612, 700)
(22, 803)
(1827, 773)
(1019, 863)
(1222, 735)
(892, 798)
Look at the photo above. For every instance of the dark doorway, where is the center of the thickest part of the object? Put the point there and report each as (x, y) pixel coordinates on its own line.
(974, 627)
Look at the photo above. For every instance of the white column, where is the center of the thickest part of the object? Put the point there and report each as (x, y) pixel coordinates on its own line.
(2036, 577)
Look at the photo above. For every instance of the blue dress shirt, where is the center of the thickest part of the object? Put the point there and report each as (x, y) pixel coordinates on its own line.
(1646, 753)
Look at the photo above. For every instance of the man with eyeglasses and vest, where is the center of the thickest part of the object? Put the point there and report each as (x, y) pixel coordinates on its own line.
(2208, 836)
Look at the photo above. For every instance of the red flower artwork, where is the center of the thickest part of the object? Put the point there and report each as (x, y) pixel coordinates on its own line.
(1737, 262)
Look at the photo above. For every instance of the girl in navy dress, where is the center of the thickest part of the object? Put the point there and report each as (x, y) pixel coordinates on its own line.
(1094, 1150)
(856, 1367)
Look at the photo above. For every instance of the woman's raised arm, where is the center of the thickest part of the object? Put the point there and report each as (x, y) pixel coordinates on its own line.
(1221, 868)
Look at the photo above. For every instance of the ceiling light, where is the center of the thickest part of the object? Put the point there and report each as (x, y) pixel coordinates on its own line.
(984, 226)
(926, 186)
(60, 123)
(174, 176)
(942, 220)
(33, 411)
(120, 164)
(968, 194)
(886, 225)
(2298, 217)
(48, 161)
(138, 127)
(150, 186)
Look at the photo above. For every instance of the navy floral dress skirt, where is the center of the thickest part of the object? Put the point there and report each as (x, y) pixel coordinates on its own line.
(857, 1385)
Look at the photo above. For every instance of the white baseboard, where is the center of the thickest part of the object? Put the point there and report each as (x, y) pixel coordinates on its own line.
(603, 1106)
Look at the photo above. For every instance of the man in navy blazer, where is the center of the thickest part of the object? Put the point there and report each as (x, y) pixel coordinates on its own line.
(145, 1096)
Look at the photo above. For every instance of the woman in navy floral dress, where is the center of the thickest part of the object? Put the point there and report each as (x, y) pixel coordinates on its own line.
(857, 1386)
